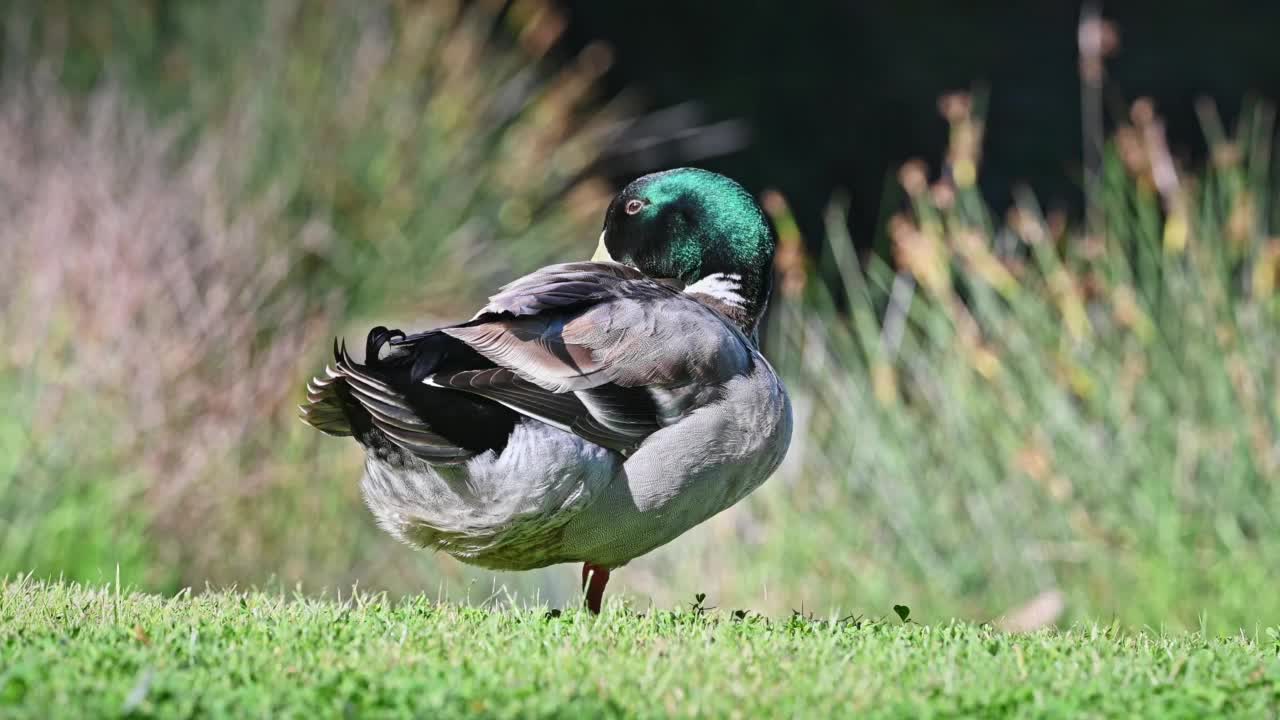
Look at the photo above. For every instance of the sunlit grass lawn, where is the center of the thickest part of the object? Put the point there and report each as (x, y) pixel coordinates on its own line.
(72, 651)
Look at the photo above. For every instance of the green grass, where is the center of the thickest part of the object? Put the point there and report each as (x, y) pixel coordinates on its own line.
(75, 651)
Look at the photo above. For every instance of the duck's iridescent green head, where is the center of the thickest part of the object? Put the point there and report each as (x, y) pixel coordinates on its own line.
(700, 228)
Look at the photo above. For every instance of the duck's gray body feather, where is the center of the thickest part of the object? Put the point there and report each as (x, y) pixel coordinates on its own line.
(503, 511)
(645, 412)
(553, 497)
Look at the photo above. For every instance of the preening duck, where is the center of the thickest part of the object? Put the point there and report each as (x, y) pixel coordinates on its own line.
(591, 411)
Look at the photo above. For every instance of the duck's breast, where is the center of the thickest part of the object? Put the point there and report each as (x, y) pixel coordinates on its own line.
(687, 472)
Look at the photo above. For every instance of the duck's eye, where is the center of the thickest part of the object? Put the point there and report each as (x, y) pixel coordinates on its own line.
(634, 206)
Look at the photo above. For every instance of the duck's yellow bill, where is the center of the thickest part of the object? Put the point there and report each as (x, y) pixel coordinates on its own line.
(602, 252)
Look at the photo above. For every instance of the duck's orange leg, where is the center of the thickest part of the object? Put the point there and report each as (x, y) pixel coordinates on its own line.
(594, 578)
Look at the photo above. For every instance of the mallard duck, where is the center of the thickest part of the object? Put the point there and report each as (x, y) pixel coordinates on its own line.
(591, 411)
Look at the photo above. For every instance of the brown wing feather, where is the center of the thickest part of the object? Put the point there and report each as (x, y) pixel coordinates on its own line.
(619, 426)
(587, 327)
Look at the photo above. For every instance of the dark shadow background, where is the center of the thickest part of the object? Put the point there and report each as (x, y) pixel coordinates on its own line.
(838, 93)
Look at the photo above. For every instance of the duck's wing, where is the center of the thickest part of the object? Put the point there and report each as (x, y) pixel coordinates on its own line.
(598, 349)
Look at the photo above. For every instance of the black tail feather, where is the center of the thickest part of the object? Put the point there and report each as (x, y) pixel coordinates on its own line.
(385, 396)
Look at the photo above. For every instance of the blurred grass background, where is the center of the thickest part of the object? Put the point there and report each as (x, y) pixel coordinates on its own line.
(1025, 417)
